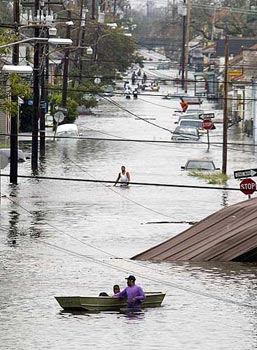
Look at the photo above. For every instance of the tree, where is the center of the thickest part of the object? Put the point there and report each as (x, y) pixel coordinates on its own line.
(72, 107)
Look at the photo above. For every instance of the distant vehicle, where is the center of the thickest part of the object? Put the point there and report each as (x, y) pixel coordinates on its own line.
(49, 120)
(67, 130)
(174, 96)
(164, 65)
(197, 123)
(200, 164)
(21, 155)
(151, 68)
(183, 133)
(188, 116)
(198, 111)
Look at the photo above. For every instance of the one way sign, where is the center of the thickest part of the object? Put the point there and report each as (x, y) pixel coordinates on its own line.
(239, 174)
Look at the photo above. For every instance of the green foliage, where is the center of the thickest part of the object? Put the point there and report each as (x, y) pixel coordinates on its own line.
(112, 51)
(212, 178)
(17, 88)
(6, 36)
(71, 105)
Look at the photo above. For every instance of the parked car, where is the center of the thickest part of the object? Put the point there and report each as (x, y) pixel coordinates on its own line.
(196, 123)
(49, 120)
(200, 164)
(188, 116)
(22, 156)
(190, 110)
(186, 133)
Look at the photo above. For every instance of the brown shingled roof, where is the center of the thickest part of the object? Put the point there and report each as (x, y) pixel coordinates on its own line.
(227, 235)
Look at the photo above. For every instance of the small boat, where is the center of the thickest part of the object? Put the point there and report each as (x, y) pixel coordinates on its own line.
(106, 303)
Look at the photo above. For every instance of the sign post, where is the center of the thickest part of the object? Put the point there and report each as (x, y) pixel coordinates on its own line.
(248, 186)
(207, 125)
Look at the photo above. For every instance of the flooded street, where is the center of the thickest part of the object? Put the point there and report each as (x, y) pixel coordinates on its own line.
(76, 238)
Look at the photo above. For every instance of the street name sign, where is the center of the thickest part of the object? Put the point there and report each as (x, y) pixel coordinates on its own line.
(240, 174)
(248, 186)
(208, 115)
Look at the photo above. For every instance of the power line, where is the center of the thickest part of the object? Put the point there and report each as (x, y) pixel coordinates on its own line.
(132, 183)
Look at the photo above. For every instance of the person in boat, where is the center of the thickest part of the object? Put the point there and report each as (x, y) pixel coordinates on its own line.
(123, 177)
(133, 293)
(116, 289)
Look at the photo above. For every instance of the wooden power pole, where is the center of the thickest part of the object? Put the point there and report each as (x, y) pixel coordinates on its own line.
(225, 109)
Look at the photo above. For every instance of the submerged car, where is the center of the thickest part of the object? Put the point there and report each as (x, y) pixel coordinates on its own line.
(200, 164)
(196, 123)
(67, 130)
(188, 116)
(186, 133)
(22, 156)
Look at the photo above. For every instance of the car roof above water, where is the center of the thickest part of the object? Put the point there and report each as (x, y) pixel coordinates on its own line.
(67, 127)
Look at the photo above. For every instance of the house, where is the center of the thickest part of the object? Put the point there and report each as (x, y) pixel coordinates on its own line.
(227, 235)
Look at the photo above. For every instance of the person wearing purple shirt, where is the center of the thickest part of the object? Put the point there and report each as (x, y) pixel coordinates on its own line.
(132, 293)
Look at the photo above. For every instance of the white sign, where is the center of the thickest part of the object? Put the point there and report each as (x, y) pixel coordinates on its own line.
(59, 117)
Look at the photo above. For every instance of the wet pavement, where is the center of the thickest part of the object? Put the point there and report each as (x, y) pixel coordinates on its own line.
(76, 238)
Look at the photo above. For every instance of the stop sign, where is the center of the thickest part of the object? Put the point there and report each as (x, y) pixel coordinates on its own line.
(207, 124)
(248, 186)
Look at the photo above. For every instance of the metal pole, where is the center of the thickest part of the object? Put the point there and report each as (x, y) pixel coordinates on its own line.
(14, 116)
(225, 109)
(36, 93)
(208, 140)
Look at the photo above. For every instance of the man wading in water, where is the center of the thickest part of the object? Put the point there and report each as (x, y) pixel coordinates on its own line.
(132, 293)
(123, 177)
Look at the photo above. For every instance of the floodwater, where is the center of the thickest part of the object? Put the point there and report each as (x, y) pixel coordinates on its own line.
(76, 238)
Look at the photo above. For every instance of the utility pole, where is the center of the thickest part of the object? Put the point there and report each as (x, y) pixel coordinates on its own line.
(66, 64)
(225, 109)
(93, 16)
(44, 97)
(36, 93)
(83, 35)
(187, 45)
(14, 116)
(183, 45)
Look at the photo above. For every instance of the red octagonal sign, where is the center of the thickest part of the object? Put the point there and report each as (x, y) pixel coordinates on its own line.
(207, 124)
(248, 186)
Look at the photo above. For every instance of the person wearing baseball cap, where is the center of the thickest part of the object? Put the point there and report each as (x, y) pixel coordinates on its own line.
(133, 293)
